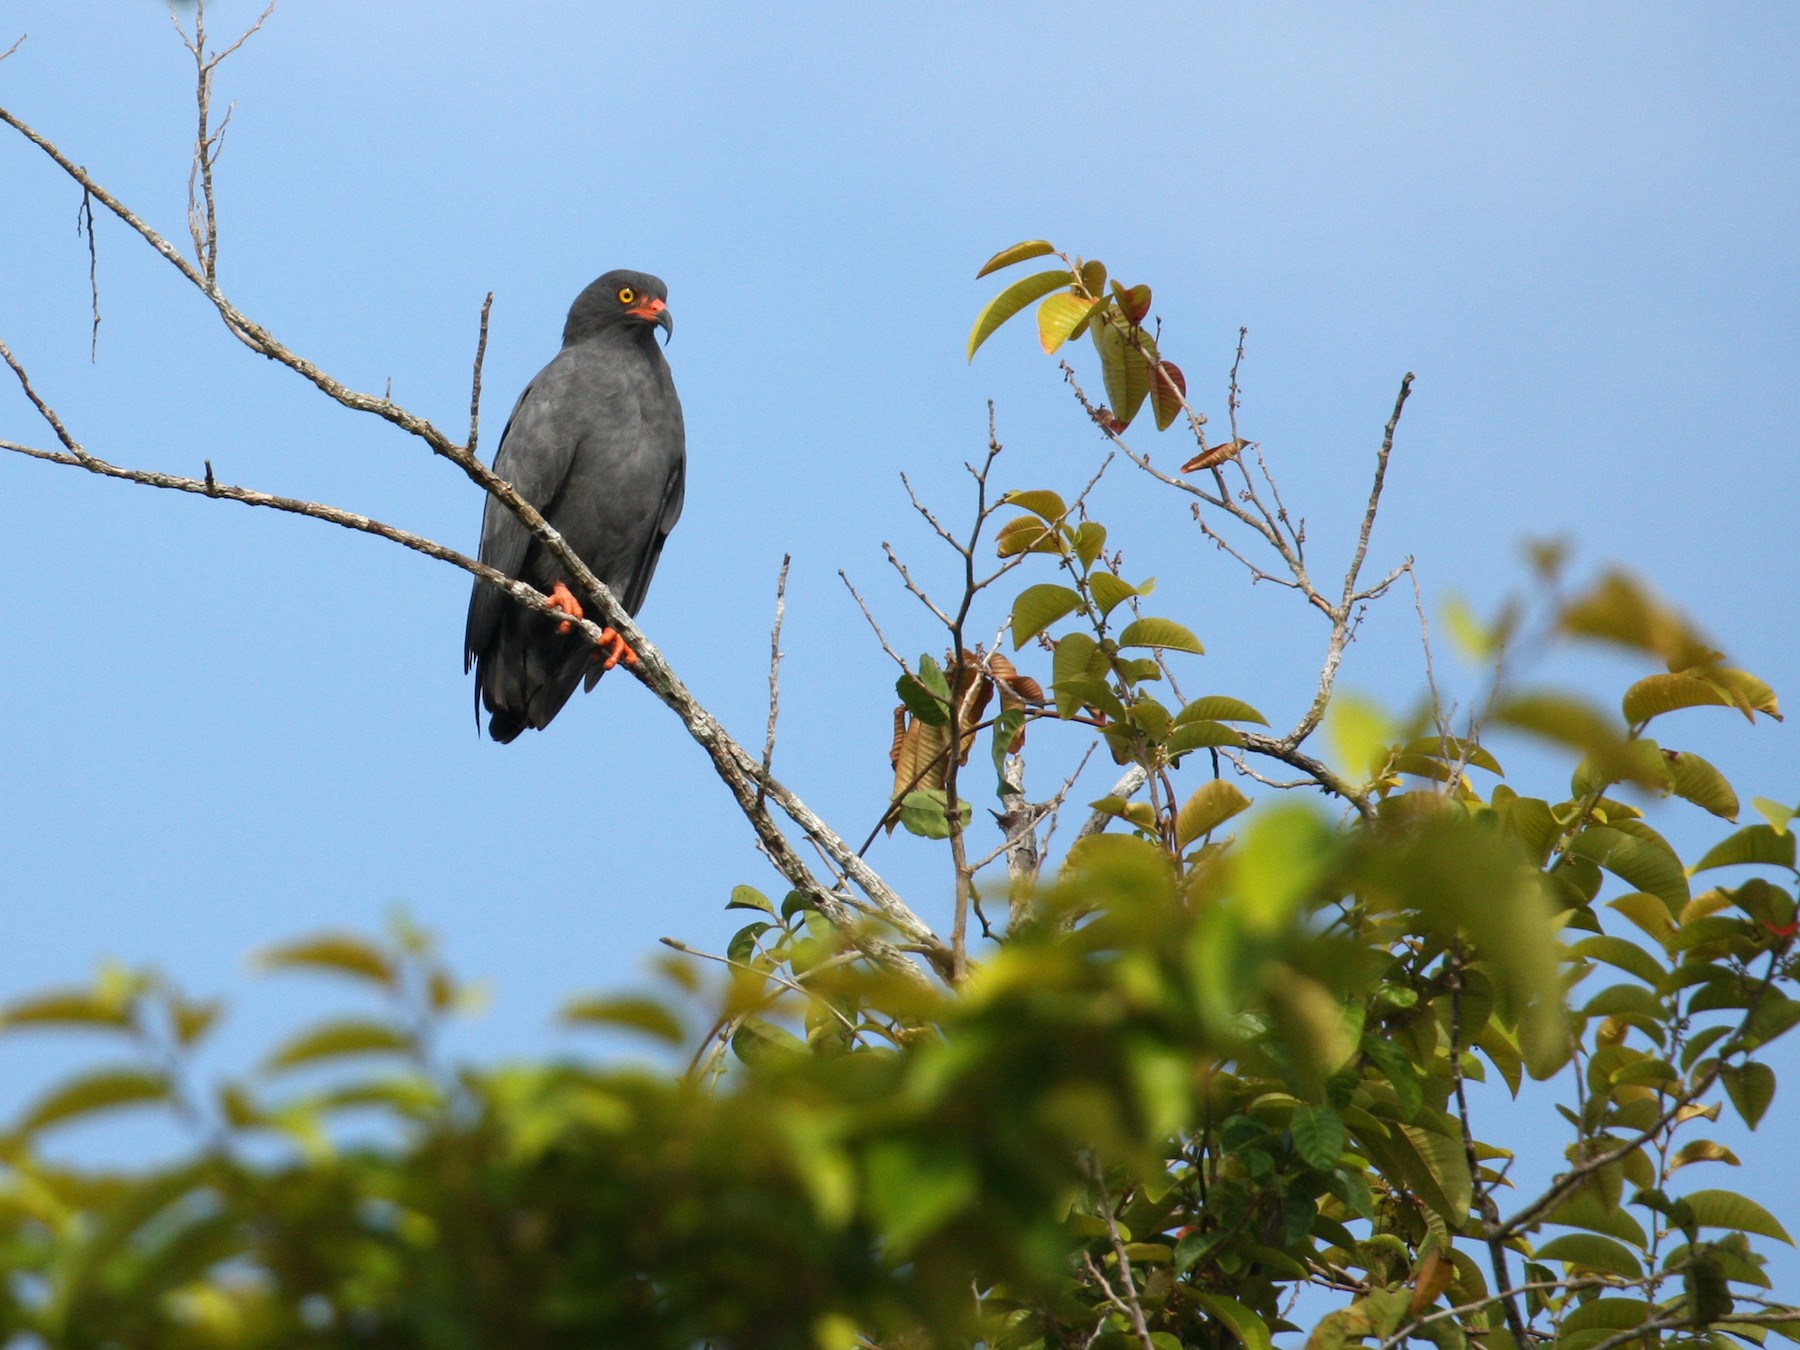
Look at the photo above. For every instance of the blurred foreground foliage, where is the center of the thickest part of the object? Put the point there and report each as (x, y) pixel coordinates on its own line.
(1207, 1068)
(1215, 1056)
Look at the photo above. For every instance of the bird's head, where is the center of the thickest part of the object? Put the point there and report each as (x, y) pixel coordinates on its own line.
(620, 299)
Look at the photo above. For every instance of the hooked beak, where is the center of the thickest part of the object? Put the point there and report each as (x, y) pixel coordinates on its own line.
(656, 312)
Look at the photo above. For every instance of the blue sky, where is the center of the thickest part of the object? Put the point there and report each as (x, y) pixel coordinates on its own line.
(1576, 224)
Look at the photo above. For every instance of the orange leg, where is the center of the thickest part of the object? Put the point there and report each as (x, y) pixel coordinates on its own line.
(612, 650)
(561, 598)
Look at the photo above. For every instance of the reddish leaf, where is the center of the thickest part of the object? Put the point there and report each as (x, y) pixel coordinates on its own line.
(1168, 387)
(1214, 457)
(1134, 301)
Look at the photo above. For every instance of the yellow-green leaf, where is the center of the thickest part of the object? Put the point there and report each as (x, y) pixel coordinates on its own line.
(1752, 844)
(1751, 1088)
(337, 1040)
(1215, 802)
(1110, 592)
(1657, 694)
(1164, 633)
(635, 1014)
(103, 1090)
(71, 1008)
(1038, 607)
(1006, 257)
(1703, 1150)
(1639, 861)
(1058, 317)
(748, 897)
(1027, 534)
(1699, 782)
(1041, 502)
(344, 953)
(1090, 539)
(1013, 299)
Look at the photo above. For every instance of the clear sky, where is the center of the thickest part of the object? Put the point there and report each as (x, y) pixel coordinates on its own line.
(1577, 224)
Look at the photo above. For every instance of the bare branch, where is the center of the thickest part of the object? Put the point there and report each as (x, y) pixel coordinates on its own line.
(775, 668)
(44, 409)
(906, 579)
(84, 224)
(487, 306)
(1381, 463)
(20, 42)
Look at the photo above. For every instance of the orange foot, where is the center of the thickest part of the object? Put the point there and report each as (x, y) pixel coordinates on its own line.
(612, 650)
(561, 598)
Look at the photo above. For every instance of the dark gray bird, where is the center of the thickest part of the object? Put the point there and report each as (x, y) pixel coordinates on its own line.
(596, 443)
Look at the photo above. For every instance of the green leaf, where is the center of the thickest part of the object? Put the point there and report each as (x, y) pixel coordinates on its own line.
(1013, 299)
(1638, 861)
(1607, 1314)
(1124, 368)
(1697, 781)
(1038, 607)
(1281, 856)
(1727, 1209)
(927, 813)
(748, 897)
(1319, 1135)
(1161, 633)
(1587, 1209)
(1623, 953)
(913, 1193)
(1006, 257)
(338, 1040)
(341, 952)
(1201, 736)
(1006, 730)
(921, 702)
(1058, 317)
(103, 1090)
(1251, 1331)
(1447, 1164)
(635, 1014)
(1594, 1252)
(1751, 1088)
(1213, 803)
(1750, 845)
(1219, 708)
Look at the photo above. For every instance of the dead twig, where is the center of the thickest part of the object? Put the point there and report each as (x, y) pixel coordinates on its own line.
(775, 668)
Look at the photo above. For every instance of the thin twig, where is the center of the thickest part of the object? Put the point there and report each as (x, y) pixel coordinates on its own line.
(775, 669)
(874, 627)
(487, 306)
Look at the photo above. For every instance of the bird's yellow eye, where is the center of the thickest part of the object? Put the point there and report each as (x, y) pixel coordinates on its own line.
(626, 295)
